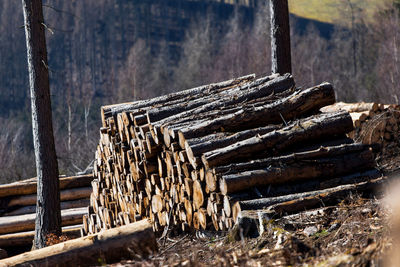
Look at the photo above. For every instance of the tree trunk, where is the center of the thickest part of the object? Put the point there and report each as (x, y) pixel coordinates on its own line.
(280, 37)
(48, 219)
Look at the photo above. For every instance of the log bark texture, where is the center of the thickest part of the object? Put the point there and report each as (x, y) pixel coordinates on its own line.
(109, 246)
(312, 128)
(280, 37)
(48, 217)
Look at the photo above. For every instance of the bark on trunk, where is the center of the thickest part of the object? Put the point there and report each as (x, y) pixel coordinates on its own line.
(48, 218)
(280, 37)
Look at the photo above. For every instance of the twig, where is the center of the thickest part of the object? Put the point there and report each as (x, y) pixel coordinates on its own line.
(173, 245)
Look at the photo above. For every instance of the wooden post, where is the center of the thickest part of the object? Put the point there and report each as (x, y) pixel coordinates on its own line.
(280, 37)
(48, 215)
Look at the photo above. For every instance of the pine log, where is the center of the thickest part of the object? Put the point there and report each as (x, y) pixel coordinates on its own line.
(26, 238)
(129, 241)
(29, 186)
(196, 148)
(19, 223)
(112, 110)
(224, 100)
(298, 104)
(26, 200)
(80, 203)
(302, 170)
(351, 107)
(246, 92)
(304, 186)
(299, 202)
(304, 154)
(328, 197)
(312, 128)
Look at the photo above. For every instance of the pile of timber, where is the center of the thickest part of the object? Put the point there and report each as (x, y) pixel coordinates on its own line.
(18, 209)
(374, 123)
(197, 158)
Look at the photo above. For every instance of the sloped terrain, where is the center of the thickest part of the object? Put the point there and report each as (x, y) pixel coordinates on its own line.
(331, 11)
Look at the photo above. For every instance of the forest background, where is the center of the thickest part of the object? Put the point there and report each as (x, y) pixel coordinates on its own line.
(111, 51)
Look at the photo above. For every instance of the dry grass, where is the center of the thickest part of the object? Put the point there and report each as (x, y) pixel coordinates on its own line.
(333, 11)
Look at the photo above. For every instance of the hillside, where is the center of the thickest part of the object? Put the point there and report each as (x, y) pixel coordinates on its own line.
(332, 11)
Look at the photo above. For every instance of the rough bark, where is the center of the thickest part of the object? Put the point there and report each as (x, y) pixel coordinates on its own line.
(280, 37)
(304, 186)
(247, 93)
(25, 200)
(136, 239)
(19, 223)
(306, 154)
(296, 105)
(196, 148)
(48, 218)
(80, 203)
(301, 170)
(303, 201)
(312, 128)
(112, 110)
(29, 186)
(329, 196)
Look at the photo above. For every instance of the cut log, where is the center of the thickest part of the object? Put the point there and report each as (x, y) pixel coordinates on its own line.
(308, 153)
(351, 107)
(125, 242)
(26, 200)
(246, 92)
(312, 128)
(194, 151)
(20, 223)
(80, 203)
(230, 99)
(304, 186)
(307, 200)
(301, 170)
(29, 186)
(26, 238)
(111, 110)
(329, 197)
(298, 104)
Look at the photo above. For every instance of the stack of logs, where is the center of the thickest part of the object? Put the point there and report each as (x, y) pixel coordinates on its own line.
(374, 123)
(18, 209)
(196, 158)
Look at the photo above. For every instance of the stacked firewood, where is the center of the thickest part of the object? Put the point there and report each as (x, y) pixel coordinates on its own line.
(194, 158)
(18, 209)
(374, 123)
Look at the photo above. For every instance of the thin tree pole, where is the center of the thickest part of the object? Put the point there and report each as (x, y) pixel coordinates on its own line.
(48, 215)
(280, 37)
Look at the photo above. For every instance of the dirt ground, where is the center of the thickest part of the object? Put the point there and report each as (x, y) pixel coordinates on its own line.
(353, 233)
